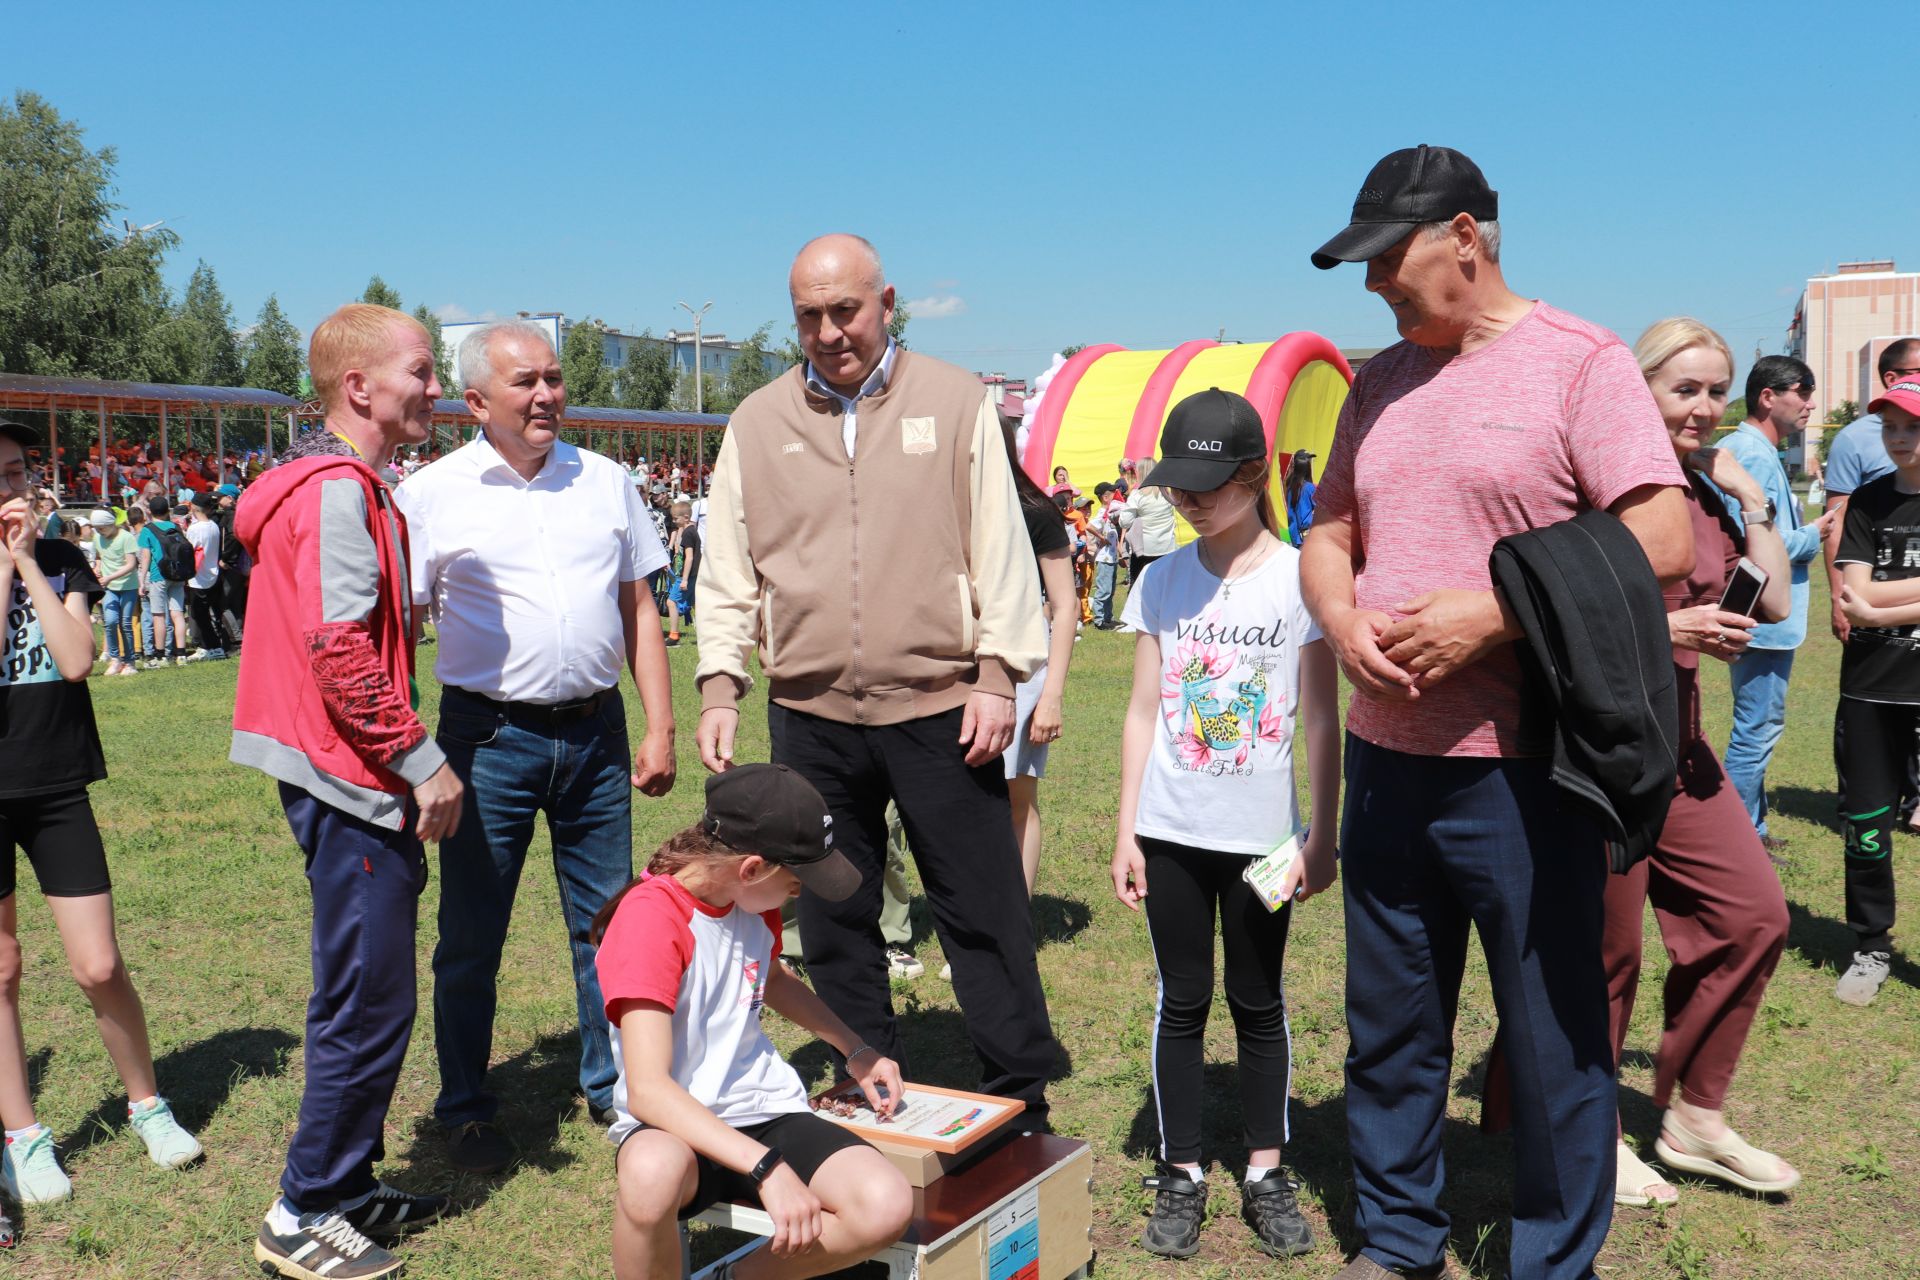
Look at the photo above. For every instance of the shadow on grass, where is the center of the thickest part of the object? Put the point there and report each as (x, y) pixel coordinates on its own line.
(1821, 808)
(1057, 919)
(1821, 939)
(1477, 1197)
(537, 1089)
(196, 1079)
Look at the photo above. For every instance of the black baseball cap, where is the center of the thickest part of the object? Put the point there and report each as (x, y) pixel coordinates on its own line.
(1407, 188)
(1207, 436)
(19, 431)
(770, 810)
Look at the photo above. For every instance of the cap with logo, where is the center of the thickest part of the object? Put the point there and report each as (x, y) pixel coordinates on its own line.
(770, 810)
(1207, 436)
(1411, 186)
(19, 431)
(1903, 395)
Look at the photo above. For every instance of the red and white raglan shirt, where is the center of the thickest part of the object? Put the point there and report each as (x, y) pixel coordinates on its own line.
(709, 966)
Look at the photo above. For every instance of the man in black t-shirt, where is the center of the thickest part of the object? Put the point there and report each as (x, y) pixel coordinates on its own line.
(1879, 709)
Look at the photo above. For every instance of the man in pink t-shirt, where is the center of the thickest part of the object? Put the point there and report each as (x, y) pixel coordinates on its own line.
(1495, 415)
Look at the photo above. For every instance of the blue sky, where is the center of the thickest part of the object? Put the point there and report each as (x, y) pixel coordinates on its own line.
(1033, 175)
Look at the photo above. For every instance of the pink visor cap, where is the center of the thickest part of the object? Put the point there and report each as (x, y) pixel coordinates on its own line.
(1904, 394)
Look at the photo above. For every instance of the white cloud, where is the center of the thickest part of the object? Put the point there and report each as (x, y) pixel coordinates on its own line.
(454, 313)
(936, 306)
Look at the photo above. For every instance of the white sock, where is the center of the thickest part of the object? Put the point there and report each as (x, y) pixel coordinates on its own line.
(283, 1220)
(1193, 1171)
(145, 1104)
(1255, 1172)
(21, 1135)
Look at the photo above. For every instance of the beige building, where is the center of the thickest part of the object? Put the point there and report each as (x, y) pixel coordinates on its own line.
(1843, 323)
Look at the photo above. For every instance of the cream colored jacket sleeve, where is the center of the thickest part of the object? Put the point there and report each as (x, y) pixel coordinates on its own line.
(729, 590)
(1006, 581)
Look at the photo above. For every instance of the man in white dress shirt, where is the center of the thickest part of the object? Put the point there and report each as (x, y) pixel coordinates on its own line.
(534, 556)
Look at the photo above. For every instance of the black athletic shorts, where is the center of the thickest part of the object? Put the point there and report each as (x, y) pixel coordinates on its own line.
(805, 1141)
(61, 840)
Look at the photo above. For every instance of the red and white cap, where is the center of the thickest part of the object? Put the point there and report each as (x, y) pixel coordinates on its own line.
(1904, 394)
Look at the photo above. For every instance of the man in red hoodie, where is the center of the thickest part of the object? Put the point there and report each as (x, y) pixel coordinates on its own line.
(325, 706)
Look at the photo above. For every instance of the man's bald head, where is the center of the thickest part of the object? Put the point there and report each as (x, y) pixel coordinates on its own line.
(842, 305)
(840, 249)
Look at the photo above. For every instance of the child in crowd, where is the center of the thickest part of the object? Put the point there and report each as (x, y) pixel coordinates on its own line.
(1879, 710)
(683, 556)
(49, 754)
(1226, 655)
(705, 1109)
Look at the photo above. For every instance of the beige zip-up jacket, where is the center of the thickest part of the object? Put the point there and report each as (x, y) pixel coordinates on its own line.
(879, 589)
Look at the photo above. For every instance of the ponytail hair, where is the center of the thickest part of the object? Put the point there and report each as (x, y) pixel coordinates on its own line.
(688, 847)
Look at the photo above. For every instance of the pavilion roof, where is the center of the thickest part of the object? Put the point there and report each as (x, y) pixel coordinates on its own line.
(32, 391)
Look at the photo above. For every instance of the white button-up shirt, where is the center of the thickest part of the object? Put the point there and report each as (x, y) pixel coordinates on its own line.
(850, 426)
(523, 576)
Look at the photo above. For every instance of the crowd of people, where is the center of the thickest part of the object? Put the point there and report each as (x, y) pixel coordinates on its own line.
(914, 658)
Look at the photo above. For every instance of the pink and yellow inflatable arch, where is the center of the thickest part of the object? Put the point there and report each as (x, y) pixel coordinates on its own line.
(1107, 403)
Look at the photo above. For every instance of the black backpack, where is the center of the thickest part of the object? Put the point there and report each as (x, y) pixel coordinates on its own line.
(176, 553)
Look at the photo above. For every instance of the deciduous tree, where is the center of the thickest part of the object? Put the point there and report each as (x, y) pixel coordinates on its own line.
(271, 352)
(645, 380)
(583, 363)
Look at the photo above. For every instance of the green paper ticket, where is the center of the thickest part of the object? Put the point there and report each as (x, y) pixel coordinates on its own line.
(1266, 873)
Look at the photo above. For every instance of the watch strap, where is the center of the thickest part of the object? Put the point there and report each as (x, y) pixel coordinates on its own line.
(768, 1163)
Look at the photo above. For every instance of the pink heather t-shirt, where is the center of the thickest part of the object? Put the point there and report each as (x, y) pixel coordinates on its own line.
(1435, 459)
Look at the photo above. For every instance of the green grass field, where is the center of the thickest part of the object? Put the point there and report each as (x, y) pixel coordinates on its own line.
(213, 918)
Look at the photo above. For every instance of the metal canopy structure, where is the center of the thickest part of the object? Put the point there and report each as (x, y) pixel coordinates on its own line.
(664, 427)
(24, 392)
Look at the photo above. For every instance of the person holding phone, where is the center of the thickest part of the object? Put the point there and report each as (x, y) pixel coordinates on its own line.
(1721, 911)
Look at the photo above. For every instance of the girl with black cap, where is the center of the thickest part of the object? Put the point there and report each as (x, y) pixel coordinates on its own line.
(1226, 657)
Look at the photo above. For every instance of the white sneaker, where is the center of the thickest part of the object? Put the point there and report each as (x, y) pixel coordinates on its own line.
(199, 655)
(31, 1170)
(1861, 982)
(901, 964)
(168, 1145)
(946, 973)
(1126, 629)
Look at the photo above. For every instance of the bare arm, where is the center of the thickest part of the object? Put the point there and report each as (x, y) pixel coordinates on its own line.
(1765, 546)
(1829, 547)
(795, 1001)
(1056, 575)
(1316, 867)
(1867, 603)
(1326, 579)
(653, 764)
(1136, 742)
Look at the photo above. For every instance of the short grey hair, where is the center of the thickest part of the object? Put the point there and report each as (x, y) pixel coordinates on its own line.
(476, 349)
(1489, 235)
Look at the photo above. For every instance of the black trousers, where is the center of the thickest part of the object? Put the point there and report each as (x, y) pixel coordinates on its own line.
(1189, 888)
(203, 606)
(1871, 742)
(960, 829)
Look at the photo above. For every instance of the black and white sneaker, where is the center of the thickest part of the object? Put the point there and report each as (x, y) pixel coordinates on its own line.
(1272, 1209)
(1179, 1211)
(322, 1246)
(389, 1211)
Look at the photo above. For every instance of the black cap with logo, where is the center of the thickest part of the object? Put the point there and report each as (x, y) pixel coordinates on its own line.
(1207, 436)
(1409, 187)
(770, 810)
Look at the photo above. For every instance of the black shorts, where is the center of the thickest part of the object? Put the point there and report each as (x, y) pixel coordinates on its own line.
(805, 1141)
(61, 840)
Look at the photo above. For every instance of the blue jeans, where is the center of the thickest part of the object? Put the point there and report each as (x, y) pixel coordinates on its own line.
(120, 613)
(1102, 594)
(1759, 718)
(365, 883)
(515, 768)
(1434, 847)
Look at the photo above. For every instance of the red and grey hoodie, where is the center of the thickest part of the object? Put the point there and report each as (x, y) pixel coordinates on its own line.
(325, 677)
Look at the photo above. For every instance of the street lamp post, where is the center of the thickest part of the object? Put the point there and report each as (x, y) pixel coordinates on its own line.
(699, 376)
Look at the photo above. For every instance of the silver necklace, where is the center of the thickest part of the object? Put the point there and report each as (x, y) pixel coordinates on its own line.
(1228, 584)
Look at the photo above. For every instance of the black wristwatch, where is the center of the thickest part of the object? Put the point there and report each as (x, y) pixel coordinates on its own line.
(768, 1163)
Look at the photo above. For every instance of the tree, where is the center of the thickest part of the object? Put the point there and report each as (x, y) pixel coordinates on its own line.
(583, 363)
(897, 327)
(1068, 353)
(77, 295)
(272, 351)
(645, 380)
(748, 373)
(683, 401)
(1843, 413)
(442, 358)
(381, 294)
(210, 351)
(790, 352)
(1736, 413)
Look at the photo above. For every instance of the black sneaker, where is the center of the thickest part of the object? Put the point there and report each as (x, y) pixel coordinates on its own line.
(389, 1211)
(478, 1147)
(324, 1246)
(602, 1116)
(1270, 1208)
(1179, 1210)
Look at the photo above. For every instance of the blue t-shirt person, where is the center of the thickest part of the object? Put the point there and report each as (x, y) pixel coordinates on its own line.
(1857, 455)
(149, 541)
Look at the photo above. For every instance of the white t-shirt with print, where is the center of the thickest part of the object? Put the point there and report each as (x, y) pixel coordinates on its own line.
(1220, 772)
(709, 967)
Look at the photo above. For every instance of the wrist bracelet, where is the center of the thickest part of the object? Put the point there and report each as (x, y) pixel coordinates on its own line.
(865, 1048)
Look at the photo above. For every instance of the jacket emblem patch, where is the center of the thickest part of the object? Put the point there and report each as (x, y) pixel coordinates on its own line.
(795, 447)
(916, 435)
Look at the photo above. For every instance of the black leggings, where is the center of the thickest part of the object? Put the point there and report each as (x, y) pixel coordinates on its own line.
(1871, 742)
(1185, 889)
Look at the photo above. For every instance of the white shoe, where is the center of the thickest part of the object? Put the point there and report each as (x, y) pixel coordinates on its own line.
(946, 973)
(901, 964)
(1126, 630)
(1861, 982)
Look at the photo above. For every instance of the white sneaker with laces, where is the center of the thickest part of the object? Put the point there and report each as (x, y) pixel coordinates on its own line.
(30, 1169)
(901, 964)
(1861, 982)
(168, 1145)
